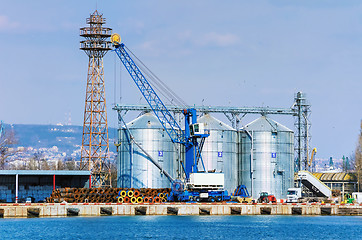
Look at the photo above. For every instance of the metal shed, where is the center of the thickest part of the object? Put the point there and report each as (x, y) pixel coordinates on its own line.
(17, 185)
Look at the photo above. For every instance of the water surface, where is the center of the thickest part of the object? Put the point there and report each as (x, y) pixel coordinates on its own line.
(184, 227)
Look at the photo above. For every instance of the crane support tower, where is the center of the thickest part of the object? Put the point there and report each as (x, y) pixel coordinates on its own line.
(95, 144)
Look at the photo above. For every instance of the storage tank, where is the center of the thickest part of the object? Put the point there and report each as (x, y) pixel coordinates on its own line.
(134, 168)
(266, 152)
(219, 151)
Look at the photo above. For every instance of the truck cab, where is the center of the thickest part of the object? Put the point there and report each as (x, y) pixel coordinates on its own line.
(294, 194)
(357, 196)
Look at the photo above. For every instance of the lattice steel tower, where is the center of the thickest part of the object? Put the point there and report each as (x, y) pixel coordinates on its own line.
(95, 144)
(302, 131)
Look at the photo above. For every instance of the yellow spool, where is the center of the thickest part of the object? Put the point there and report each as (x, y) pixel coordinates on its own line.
(130, 193)
(120, 199)
(161, 195)
(139, 200)
(133, 200)
(123, 193)
(163, 199)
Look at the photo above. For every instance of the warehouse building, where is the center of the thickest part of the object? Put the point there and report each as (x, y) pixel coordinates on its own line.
(19, 185)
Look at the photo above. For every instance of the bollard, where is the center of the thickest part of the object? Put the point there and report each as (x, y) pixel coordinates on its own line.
(1, 213)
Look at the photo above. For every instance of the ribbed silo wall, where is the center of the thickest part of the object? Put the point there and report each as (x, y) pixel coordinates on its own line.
(273, 153)
(134, 168)
(220, 151)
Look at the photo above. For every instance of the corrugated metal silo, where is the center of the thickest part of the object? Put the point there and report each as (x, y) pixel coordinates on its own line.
(266, 154)
(219, 151)
(134, 168)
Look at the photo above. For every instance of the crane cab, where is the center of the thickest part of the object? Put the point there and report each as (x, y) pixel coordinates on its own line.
(198, 130)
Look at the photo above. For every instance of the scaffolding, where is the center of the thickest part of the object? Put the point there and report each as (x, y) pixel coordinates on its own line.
(95, 143)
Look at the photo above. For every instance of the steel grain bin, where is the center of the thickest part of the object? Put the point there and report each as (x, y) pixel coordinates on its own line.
(219, 151)
(266, 152)
(134, 168)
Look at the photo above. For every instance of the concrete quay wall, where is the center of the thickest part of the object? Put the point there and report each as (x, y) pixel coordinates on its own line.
(104, 209)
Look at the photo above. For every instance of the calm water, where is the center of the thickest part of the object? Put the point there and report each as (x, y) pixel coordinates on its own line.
(184, 227)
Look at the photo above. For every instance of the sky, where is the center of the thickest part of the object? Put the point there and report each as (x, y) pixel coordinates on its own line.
(220, 53)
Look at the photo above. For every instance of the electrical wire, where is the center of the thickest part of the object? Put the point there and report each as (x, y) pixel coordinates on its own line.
(158, 84)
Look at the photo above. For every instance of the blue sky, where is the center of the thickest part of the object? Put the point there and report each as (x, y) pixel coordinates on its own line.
(226, 53)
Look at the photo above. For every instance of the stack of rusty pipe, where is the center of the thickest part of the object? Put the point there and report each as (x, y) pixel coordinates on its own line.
(109, 195)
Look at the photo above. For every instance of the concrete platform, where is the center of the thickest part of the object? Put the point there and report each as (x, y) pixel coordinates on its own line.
(117, 209)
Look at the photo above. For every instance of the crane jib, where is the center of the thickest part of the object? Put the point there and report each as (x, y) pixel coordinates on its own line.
(164, 116)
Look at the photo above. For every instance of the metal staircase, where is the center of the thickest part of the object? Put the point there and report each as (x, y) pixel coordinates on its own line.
(314, 184)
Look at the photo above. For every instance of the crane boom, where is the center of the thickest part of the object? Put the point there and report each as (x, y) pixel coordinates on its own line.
(193, 130)
(312, 156)
(164, 116)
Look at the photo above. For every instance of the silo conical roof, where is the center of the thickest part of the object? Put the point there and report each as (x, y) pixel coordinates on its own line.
(266, 124)
(147, 120)
(213, 123)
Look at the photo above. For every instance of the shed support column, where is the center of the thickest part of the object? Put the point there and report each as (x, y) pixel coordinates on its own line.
(90, 181)
(54, 182)
(16, 187)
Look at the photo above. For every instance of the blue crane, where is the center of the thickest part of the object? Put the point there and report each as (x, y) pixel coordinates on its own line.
(193, 130)
(200, 185)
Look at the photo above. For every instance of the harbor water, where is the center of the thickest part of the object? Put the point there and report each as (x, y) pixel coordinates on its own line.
(183, 227)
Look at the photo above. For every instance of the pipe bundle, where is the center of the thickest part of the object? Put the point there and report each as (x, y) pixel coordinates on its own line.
(109, 195)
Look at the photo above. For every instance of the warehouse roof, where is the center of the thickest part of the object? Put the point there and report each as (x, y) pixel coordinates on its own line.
(46, 172)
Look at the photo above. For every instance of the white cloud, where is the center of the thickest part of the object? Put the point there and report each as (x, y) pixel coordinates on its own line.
(209, 39)
(6, 24)
(218, 39)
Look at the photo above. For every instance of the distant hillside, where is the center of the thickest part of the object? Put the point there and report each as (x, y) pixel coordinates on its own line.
(66, 138)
